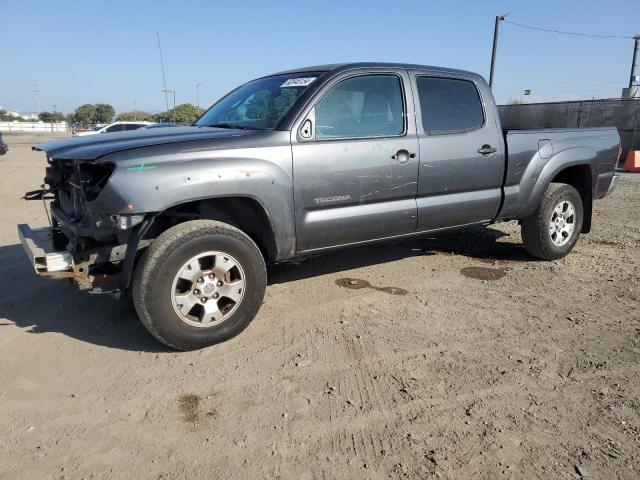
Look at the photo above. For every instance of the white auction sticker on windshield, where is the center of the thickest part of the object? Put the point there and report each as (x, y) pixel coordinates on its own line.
(298, 82)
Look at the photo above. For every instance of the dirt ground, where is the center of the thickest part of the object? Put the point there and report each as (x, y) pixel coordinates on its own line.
(455, 357)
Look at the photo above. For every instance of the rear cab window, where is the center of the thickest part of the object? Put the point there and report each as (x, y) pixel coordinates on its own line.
(449, 105)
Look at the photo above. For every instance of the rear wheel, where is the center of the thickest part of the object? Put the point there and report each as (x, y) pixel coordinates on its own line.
(199, 283)
(553, 229)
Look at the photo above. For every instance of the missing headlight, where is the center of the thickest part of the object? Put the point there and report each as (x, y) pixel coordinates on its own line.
(94, 177)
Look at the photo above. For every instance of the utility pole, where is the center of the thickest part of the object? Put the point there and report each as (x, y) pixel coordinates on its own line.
(35, 92)
(135, 113)
(164, 81)
(173, 115)
(496, 32)
(198, 95)
(634, 59)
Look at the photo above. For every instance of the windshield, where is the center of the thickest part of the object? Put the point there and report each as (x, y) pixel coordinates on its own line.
(260, 104)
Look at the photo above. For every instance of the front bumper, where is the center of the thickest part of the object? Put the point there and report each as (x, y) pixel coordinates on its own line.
(105, 269)
(56, 264)
(38, 245)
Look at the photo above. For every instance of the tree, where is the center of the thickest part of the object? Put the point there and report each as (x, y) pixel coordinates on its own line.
(94, 113)
(104, 113)
(136, 115)
(48, 117)
(185, 113)
(85, 114)
(5, 117)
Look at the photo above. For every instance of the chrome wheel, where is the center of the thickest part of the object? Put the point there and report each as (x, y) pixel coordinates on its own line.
(562, 224)
(207, 289)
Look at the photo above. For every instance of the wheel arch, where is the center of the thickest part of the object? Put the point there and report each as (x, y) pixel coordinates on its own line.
(241, 211)
(573, 166)
(580, 178)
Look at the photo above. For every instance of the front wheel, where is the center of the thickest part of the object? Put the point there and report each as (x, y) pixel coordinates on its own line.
(199, 283)
(553, 229)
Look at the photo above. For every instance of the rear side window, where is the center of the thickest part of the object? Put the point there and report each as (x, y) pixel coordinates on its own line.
(449, 105)
(363, 106)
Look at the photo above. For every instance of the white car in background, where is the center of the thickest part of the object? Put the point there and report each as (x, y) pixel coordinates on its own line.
(114, 127)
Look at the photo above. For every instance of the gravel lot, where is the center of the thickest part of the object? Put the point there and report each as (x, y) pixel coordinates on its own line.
(457, 356)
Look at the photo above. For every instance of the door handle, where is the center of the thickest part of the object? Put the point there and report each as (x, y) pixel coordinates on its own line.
(402, 156)
(487, 150)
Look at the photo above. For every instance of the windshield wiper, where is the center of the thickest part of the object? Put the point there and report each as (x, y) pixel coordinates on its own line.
(230, 125)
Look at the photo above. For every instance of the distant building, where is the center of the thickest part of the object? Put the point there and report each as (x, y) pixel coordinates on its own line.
(12, 113)
(29, 116)
(25, 116)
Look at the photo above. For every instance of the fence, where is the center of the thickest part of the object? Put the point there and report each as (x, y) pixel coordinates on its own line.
(32, 127)
(622, 113)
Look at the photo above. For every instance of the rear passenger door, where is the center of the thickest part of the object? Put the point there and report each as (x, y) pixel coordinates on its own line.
(461, 151)
(355, 161)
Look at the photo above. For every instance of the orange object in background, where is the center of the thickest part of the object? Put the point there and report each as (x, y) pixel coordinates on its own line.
(632, 163)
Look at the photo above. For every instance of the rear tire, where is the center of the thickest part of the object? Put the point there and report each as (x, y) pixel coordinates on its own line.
(553, 229)
(199, 283)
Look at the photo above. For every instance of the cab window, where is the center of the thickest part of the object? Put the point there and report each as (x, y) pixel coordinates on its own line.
(363, 106)
(449, 105)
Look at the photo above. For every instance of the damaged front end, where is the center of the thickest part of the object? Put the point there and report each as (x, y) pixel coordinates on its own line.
(94, 249)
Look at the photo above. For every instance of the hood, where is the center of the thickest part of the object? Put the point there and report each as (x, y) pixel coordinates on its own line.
(91, 147)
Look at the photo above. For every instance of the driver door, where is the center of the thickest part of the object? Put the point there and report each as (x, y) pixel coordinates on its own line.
(355, 162)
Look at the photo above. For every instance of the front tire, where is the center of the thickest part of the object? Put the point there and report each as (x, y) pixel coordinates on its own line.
(199, 283)
(553, 229)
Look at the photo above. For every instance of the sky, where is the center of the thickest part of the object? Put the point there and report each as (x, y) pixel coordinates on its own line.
(107, 52)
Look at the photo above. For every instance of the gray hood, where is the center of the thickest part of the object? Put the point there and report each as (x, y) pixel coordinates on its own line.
(92, 147)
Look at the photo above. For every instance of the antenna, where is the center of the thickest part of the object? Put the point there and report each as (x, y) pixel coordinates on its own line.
(164, 81)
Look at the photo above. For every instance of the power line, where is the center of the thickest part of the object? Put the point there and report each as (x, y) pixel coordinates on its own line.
(575, 34)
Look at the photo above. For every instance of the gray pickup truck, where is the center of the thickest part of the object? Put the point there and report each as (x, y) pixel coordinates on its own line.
(294, 164)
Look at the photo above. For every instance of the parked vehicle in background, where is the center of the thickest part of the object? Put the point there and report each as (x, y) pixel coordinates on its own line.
(163, 125)
(114, 127)
(298, 163)
(3, 146)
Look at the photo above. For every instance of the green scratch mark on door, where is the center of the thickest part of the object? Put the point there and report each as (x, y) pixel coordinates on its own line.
(141, 167)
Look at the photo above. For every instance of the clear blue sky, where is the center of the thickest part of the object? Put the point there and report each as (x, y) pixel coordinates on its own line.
(88, 52)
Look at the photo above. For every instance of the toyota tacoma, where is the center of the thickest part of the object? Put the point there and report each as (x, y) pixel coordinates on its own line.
(296, 163)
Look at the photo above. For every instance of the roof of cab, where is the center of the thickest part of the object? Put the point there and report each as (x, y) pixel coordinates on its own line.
(353, 65)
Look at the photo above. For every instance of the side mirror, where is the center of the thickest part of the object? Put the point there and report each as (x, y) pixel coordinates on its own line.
(306, 131)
